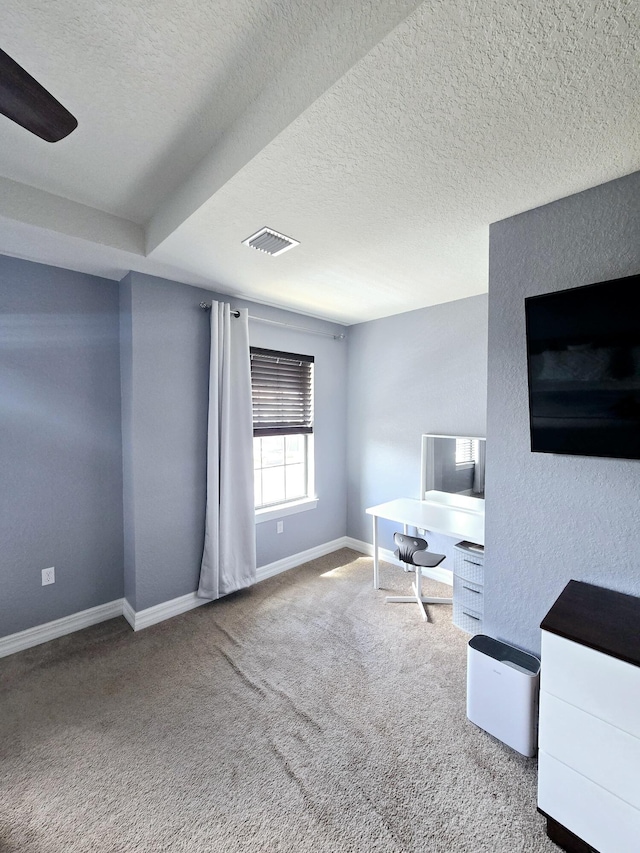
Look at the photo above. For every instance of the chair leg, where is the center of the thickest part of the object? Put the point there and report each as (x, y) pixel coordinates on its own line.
(417, 596)
(402, 599)
(417, 588)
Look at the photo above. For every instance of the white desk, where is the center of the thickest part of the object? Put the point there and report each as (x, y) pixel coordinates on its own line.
(439, 514)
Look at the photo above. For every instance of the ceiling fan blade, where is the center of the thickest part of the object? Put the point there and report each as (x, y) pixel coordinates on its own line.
(25, 101)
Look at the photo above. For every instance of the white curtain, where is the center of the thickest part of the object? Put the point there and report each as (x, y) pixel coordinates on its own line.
(229, 556)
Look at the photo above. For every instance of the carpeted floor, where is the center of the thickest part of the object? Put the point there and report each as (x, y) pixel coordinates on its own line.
(301, 715)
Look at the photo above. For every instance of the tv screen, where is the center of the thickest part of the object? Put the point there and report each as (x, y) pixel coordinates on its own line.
(583, 358)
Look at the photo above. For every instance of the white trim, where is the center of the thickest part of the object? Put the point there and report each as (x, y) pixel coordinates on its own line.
(129, 613)
(59, 627)
(270, 512)
(158, 613)
(439, 573)
(139, 619)
(298, 559)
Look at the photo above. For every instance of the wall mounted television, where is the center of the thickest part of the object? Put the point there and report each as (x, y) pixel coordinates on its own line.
(583, 360)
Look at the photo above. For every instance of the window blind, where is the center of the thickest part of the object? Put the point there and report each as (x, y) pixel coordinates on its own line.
(464, 451)
(281, 392)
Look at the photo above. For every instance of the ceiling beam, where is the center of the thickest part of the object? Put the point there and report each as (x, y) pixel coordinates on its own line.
(347, 34)
(35, 207)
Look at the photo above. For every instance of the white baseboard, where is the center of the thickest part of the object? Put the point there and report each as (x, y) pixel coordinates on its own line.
(439, 573)
(298, 559)
(59, 627)
(139, 619)
(129, 613)
(158, 613)
(152, 615)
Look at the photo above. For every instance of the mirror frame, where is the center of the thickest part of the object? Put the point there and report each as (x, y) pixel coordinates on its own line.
(423, 463)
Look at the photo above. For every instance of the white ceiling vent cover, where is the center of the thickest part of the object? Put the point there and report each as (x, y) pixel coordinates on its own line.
(270, 241)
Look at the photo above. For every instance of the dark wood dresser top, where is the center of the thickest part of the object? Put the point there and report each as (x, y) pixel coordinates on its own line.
(600, 618)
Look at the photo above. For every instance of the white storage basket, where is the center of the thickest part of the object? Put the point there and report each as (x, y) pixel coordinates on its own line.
(466, 618)
(468, 562)
(468, 594)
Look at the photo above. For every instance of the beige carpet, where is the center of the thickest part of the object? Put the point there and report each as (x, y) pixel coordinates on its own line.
(301, 715)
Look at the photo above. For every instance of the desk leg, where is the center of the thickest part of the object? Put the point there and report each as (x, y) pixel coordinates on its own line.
(376, 577)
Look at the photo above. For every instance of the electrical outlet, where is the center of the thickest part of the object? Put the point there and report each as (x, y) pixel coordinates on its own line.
(279, 526)
(48, 576)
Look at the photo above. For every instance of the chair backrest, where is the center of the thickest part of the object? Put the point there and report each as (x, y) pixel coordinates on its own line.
(408, 545)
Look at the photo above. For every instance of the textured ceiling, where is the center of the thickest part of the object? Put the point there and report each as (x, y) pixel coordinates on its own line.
(384, 137)
(154, 85)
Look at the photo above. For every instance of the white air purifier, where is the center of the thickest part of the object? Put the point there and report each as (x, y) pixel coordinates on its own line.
(502, 692)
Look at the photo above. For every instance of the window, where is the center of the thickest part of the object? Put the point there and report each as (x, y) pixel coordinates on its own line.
(282, 396)
(464, 451)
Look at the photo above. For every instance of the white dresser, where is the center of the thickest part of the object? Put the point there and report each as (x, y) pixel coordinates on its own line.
(589, 727)
(468, 586)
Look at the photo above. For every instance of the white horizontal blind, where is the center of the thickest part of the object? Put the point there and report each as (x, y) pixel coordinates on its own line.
(282, 392)
(464, 451)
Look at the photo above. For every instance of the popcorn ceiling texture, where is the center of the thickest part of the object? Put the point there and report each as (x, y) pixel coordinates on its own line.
(301, 716)
(551, 518)
(383, 136)
(465, 114)
(155, 85)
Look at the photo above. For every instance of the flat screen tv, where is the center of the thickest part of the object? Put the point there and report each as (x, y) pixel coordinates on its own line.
(583, 358)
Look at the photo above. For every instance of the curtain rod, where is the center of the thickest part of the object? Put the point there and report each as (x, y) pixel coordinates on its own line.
(207, 307)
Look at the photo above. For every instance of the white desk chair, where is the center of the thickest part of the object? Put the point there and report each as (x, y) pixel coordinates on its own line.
(412, 551)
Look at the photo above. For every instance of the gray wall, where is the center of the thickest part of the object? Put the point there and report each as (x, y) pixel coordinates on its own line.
(126, 395)
(423, 371)
(60, 443)
(164, 381)
(165, 340)
(550, 518)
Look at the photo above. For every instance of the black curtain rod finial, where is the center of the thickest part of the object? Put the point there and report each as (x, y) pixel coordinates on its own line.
(207, 307)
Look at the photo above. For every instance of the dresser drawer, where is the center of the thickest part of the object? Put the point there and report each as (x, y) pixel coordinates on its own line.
(603, 753)
(468, 594)
(468, 563)
(466, 618)
(589, 811)
(604, 686)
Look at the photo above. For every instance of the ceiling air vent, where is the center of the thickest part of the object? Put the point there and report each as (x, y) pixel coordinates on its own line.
(271, 242)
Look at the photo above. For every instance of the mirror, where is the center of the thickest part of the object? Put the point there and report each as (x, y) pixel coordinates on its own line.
(454, 464)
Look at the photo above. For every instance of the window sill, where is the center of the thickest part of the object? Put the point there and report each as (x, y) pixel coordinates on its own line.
(270, 512)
